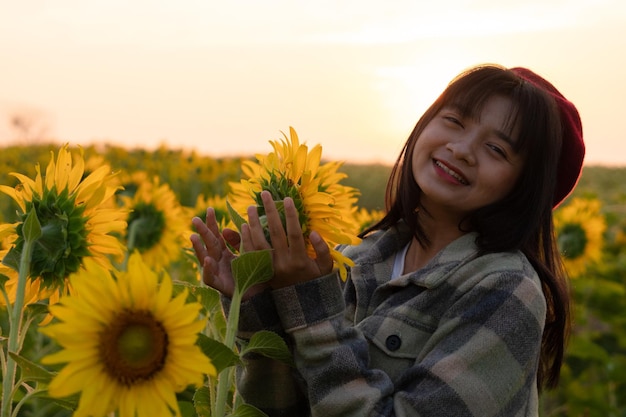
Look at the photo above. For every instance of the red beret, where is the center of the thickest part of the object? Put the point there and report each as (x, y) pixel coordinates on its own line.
(573, 147)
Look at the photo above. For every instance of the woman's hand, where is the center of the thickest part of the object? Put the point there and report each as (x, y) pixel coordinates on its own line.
(291, 262)
(215, 257)
(290, 259)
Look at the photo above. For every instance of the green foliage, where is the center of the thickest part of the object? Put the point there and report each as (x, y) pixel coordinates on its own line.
(593, 380)
(604, 183)
(371, 181)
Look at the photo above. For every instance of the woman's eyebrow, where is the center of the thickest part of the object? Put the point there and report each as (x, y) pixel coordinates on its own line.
(500, 134)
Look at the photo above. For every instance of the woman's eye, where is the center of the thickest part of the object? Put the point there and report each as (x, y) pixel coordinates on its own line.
(453, 120)
(497, 150)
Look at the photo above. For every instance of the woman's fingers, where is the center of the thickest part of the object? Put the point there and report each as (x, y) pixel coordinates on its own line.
(210, 264)
(295, 239)
(211, 221)
(290, 241)
(198, 247)
(323, 258)
(231, 237)
(210, 243)
(197, 241)
(252, 234)
(274, 223)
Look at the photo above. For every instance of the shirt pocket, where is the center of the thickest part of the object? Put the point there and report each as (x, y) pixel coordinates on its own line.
(394, 343)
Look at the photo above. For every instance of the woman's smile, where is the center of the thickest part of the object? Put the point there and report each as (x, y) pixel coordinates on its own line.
(449, 173)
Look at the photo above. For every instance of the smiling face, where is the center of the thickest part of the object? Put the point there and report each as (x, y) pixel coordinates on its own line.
(464, 162)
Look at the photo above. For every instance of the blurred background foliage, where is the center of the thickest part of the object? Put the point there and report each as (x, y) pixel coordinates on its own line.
(594, 374)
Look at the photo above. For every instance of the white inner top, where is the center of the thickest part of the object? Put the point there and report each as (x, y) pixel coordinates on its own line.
(398, 264)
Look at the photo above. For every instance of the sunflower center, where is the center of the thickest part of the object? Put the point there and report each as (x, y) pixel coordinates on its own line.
(133, 347)
(146, 224)
(572, 240)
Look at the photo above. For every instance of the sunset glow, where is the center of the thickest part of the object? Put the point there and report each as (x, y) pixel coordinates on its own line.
(225, 77)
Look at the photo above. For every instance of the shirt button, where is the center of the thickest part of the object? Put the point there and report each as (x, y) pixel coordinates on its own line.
(393, 342)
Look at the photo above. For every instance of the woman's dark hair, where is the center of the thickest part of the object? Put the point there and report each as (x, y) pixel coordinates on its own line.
(520, 221)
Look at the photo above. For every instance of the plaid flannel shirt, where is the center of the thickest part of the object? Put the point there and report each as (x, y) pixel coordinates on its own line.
(459, 337)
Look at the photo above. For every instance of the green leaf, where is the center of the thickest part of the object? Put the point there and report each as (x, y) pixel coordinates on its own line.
(246, 410)
(69, 403)
(12, 258)
(206, 296)
(186, 409)
(221, 356)
(31, 371)
(36, 309)
(32, 228)
(234, 216)
(252, 268)
(202, 402)
(3, 280)
(269, 344)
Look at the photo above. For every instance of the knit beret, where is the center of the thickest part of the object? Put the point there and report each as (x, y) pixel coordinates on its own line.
(573, 147)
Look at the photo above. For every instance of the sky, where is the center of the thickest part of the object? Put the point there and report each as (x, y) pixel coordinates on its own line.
(225, 77)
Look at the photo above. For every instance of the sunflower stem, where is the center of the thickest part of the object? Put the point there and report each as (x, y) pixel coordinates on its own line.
(224, 378)
(14, 332)
(31, 393)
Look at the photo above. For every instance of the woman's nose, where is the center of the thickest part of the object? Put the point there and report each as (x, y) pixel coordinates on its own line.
(462, 149)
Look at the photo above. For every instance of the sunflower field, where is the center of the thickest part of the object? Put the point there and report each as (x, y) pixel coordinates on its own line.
(119, 321)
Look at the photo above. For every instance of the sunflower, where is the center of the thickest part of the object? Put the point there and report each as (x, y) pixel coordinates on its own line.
(323, 204)
(128, 345)
(76, 221)
(580, 228)
(366, 218)
(93, 162)
(157, 223)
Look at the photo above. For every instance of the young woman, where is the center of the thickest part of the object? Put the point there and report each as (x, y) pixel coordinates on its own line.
(457, 304)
